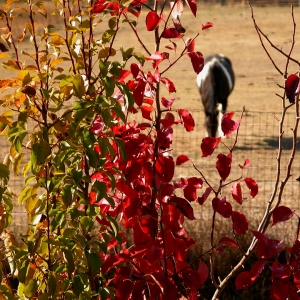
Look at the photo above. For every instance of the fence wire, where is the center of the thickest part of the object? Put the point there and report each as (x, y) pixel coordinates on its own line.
(257, 141)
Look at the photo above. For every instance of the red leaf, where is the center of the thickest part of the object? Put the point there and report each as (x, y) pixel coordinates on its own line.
(223, 207)
(124, 290)
(207, 25)
(197, 60)
(208, 145)
(246, 164)
(134, 68)
(228, 242)
(169, 120)
(236, 192)
(292, 87)
(167, 103)
(156, 56)
(191, 278)
(190, 45)
(183, 206)
(203, 198)
(228, 125)
(99, 6)
(164, 167)
(189, 190)
(280, 271)
(152, 20)
(177, 8)
(223, 165)
(187, 119)
(171, 33)
(203, 272)
(138, 92)
(246, 279)
(239, 222)
(266, 247)
(181, 159)
(192, 4)
(146, 111)
(252, 186)
(172, 48)
(165, 137)
(280, 290)
(169, 85)
(97, 126)
(281, 214)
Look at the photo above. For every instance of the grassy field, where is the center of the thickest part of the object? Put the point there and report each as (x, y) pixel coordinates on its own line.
(256, 84)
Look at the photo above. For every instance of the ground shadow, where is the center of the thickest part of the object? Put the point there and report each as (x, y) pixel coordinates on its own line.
(287, 143)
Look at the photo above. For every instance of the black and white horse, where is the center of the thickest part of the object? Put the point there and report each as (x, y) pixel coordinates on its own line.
(215, 83)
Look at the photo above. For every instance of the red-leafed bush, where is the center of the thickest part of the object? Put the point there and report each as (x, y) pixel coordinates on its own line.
(105, 211)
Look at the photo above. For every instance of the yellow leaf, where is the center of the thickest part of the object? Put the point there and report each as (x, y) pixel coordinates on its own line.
(17, 162)
(103, 53)
(57, 41)
(6, 83)
(11, 65)
(4, 55)
(5, 120)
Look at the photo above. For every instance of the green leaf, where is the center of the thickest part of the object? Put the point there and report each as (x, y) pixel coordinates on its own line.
(56, 182)
(114, 225)
(25, 194)
(78, 86)
(106, 117)
(51, 284)
(109, 85)
(86, 223)
(126, 54)
(121, 146)
(17, 162)
(85, 25)
(101, 189)
(112, 22)
(115, 69)
(127, 94)
(4, 171)
(140, 57)
(39, 154)
(70, 260)
(44, 296)
(104, 293)
(30, 288)
(107, 35)
(78, 285)
(94, 262)
(23, 271)
(119, 113)
(103, 68)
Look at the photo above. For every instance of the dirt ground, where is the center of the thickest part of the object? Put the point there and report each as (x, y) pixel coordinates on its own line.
(233, 35)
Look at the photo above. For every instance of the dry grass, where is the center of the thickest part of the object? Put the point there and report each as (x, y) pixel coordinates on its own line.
(256, 85)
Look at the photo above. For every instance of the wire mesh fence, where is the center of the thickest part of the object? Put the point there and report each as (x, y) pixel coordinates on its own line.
(257, 141)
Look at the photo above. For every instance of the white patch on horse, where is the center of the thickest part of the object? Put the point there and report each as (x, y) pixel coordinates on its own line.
(220, 116)
(204, 73)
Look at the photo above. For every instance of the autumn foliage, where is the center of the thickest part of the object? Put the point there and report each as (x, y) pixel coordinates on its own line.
(105, 212)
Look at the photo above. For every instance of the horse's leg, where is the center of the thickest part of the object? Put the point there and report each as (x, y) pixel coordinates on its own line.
(211, 123)
(221, 108)
(220, 116)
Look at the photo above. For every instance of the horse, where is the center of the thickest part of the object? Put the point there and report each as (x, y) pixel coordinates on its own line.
(215, 83)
